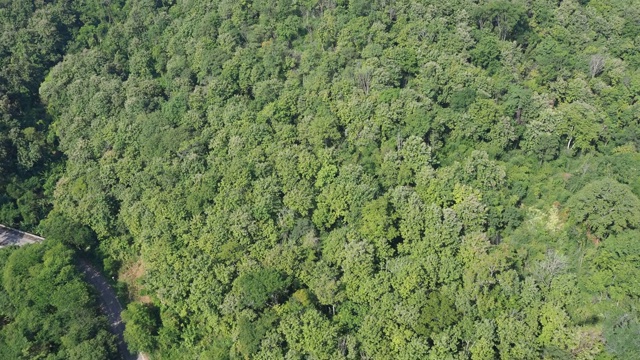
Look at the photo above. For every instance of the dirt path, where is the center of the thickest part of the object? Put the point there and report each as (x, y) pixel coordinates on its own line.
(109, 304)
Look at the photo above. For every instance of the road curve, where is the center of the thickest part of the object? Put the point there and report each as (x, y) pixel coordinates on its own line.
(107, 297)
(109, 304)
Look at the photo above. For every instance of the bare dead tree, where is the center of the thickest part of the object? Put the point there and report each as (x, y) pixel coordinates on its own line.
(553, 265)
(363, 78)
(596, 65)
(342, 345)
(501, 23)
(326, 5)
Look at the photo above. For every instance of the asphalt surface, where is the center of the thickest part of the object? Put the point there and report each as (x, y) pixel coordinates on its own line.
(9, 236)
(109, 304)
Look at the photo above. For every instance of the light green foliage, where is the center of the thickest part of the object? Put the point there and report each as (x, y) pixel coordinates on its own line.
(309, 333)
(343, 196)
(141, 327)
(614, 267)
(338, 179)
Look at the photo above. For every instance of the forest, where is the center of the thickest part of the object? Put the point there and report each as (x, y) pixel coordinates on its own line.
(323, 179)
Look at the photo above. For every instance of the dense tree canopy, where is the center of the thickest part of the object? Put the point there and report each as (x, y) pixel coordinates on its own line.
(606, 207)
(46, 310)
(408, 179)
(35, 35)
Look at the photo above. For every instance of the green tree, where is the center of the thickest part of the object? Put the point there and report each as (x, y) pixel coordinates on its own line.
(507, 18)
(59, 227)
(605, 207)
(141, 327)
(258, 287)
(46, 309)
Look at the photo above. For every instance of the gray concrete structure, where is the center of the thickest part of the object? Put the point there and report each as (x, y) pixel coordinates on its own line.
(9, 236)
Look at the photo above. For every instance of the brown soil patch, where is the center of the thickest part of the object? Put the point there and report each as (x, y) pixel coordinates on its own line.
(594, 239)
(131, 275)
(132, 272)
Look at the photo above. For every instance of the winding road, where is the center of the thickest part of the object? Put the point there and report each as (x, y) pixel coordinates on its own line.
(107, 297)
(109, 304)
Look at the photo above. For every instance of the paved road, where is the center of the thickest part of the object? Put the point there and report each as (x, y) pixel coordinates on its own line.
(109, 304)
(108, 301)
(9, 236)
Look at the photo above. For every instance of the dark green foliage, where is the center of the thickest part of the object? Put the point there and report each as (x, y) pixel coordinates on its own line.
(251, 333)
(46, 310)
(461, 99)
(553, 59)
(255, 288)
(61, 228)
(507, 18)
(486, 53)
(621, 330)
(605, 207)
(34, 38)
(439, 312)
(614, 267)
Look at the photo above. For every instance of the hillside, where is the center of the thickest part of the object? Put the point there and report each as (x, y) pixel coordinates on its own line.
(338, 179)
